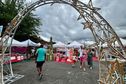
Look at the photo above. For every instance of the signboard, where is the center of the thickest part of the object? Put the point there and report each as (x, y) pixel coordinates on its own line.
(1, 28)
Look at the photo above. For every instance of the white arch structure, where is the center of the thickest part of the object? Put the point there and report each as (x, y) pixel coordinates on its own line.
(90, 19)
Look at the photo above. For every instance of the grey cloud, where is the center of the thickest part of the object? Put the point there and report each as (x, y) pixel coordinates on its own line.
(113, 11)
(123, 25)
(60, 21)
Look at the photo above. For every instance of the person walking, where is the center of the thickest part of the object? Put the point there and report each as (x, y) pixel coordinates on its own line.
(40, 60)
(33, 51)
(90, 58)
(82, 56)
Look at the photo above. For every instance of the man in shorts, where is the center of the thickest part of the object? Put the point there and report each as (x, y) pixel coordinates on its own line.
(40, 59)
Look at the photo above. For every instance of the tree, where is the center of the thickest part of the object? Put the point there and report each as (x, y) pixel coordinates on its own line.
(30, 24)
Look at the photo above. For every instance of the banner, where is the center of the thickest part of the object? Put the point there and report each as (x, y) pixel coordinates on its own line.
(1, 28)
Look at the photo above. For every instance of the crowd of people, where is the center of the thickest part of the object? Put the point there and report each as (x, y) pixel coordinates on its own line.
(70, 54)
(82, 55)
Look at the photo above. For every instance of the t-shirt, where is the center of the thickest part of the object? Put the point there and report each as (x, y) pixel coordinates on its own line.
(33, 50)
(68, 52)
(41, 54)
(90, 55)
(81, 52)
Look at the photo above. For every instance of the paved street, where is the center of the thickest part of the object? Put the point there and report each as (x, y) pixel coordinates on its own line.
(55, 73)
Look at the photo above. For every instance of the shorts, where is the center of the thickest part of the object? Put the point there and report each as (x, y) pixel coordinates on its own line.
(82, 59)
(40, 64)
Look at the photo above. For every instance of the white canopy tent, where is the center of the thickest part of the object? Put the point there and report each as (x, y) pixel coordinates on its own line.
(59, 45)
(88, 43)
(14, 42)
(38, 44)
(116, 43)
(29, 43)
(123, 42)
(74, 44)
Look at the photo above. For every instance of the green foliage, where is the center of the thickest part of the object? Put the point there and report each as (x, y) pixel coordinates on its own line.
(29, 23)
(9, 9)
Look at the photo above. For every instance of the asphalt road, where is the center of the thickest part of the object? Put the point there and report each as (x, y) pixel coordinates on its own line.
(55, 73)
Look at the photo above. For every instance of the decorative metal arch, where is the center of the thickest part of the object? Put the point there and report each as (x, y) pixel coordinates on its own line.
(100, 28)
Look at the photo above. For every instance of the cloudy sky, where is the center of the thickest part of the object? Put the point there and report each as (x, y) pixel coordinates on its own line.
(60, 21)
